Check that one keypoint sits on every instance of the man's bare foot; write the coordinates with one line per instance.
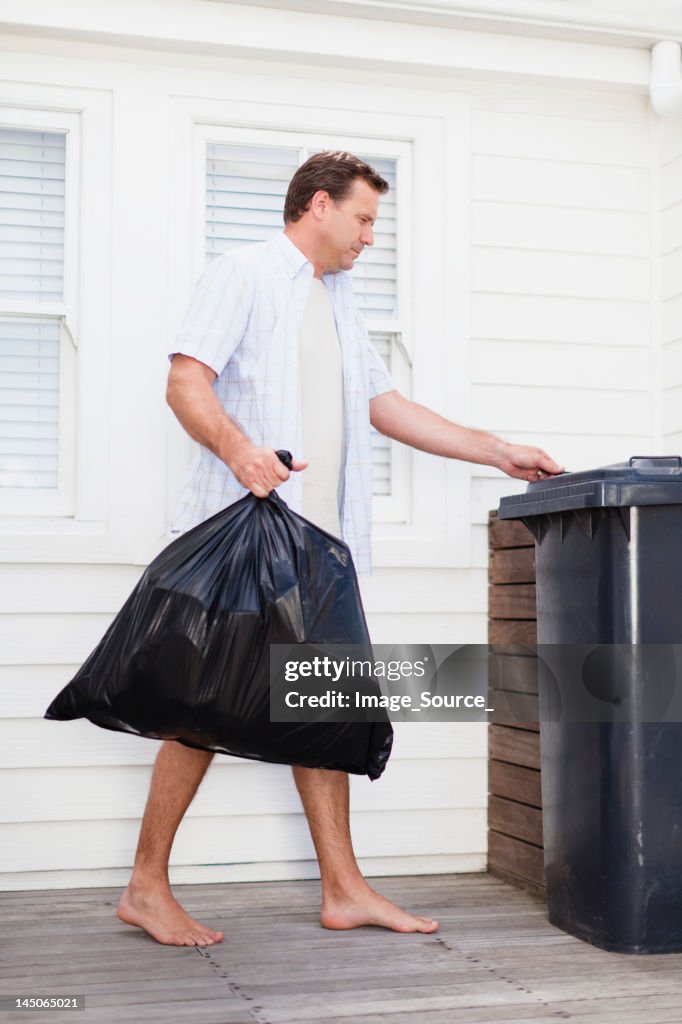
(155, 910)
(365, 906)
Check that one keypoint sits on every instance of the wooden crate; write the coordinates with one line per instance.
(515, 848)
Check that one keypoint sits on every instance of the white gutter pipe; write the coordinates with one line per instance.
(665, 84)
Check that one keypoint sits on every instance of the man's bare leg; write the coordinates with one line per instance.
(148, 901)
(347, 900)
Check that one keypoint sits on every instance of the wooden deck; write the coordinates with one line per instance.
(495, 959)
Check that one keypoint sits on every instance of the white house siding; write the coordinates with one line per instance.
(671, 283)
(547, 338)
(563, 210)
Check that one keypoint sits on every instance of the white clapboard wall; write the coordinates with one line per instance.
(671, 283)
(564, 204)
(562, 219)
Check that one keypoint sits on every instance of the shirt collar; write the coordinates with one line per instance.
(292, 256)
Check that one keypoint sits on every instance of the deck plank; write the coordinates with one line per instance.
(495, 959)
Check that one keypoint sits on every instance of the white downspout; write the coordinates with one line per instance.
(665, 84)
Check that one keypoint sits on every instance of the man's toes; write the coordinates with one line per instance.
(187, 938)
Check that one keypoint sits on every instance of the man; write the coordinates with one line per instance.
(272, 354)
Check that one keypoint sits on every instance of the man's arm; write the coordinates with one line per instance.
(396, 416)
(194, 402)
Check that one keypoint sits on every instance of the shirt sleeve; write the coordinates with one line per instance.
(217, 317)
(380, 380)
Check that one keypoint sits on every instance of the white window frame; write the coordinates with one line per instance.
(436, 531)
(78, 528)
(60, 500)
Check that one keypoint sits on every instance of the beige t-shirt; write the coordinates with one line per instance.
(321, 379)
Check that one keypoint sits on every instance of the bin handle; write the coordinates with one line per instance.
(655, 461)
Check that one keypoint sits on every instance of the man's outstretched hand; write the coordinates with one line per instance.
(260, 469)
(527, 463)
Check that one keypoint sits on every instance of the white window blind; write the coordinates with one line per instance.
(32, 220)
(29, 402)
(32, 172)
(245, 191)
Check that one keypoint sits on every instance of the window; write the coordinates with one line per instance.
(245, 186)
(37, 359)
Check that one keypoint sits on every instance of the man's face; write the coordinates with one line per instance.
(347, 227)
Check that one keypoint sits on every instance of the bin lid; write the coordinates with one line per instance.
(643, 480)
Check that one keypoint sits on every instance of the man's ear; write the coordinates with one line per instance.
(319, 204)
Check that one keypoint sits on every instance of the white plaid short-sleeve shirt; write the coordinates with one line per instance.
(244, 321)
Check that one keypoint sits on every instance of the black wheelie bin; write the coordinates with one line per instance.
(609, 608)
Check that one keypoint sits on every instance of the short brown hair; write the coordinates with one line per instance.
(333, 172)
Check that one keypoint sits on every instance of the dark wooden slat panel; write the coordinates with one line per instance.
(525, 727)
(522, 726)
(520, 860)
(512, 631)
(512, 673)
(513, 601)
(511, 708)
(515, 746)
(514, 650)
(515, 783)
(513, 565)
(513, 819)
(508, 533)
(515, 802)
(521, 883)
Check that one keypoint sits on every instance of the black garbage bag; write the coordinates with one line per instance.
(188, 656)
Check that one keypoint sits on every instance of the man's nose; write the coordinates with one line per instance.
(367, 235)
